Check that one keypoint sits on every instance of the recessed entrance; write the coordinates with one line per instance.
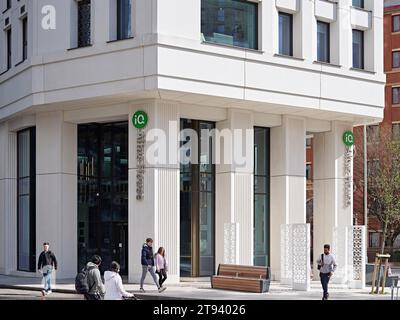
(103, 193)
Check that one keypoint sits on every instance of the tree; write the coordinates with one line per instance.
(384, 185)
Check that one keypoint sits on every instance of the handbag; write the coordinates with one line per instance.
(322, 260)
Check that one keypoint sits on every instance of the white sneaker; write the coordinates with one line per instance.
(162, 289)
(48, 292)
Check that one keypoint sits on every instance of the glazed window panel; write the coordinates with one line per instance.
(358, 3)
(396, 23)
(26, 202)
(84, 23)
(396, 95)
(285, 34)
(358, 49)
(230, 22)
(396, 59)
(323, 46)
(124, 19)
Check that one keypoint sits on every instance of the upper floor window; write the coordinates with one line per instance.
(396, 59)
(396, 23)
(9, 48)
(24, 38)
(84, 23)
(124, 21)
(231, 22)
(358, 49)
(373, 133)
(358, 3)
(323, 46)
(285, 34)
(8, 5)
(396, 95)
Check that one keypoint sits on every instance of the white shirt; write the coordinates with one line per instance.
(114, 288)
(328, 265)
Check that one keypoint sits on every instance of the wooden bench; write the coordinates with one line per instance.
(242, 278)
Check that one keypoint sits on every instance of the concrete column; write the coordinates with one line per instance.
(341, 42)
(8, 200)
(234, 186)
(56, 189)
(157, 214)
(288, 182)
(330, 209)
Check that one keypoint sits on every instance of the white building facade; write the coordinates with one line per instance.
(73, 74)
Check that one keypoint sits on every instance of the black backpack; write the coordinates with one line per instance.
(81, 281)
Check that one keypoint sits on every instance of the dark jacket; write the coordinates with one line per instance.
(47, 259)
(147, 256)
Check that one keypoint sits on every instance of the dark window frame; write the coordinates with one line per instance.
(84, 37)
(328, 25)
(266, 193)
(362, 46)
(397, 16)
(358, 4)
(24, 38)
(121, 23)
(32, 199)
(256, 31)
(398, 60)
(9, 48)
(291, 33)
(398, 95)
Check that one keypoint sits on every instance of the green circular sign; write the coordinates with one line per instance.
(140, 119)
(348, 138)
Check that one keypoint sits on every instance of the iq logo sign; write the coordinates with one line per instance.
(140, 119)
(348, 138)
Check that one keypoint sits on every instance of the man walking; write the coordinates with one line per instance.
(147, 259)
(47, 261)
(326, 266)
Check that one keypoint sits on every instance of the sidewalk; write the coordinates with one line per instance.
(203, 291)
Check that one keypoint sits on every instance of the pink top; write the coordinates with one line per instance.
(161, 263)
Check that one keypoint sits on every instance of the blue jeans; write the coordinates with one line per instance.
(325, 281)
(47, 281)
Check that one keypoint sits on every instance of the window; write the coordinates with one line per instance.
(9, 49)
(24, 38)
(285, 34)
(396, 23)
(8, 4)
(308, 171)
(231, 22)
(26, 204)
(373, 133)
(396, 59)
(261, 196)
(323, 45)
(396, 95)
(84, 23)
(358, 49)
(358, 3)
(124, 21)
(374, 240)
(396, 131)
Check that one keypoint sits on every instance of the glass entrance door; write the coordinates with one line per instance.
(103, 193)
(197, 202)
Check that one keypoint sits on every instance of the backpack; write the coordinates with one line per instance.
(81, 281)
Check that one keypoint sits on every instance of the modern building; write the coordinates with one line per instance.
(74, 74)
(391, 122)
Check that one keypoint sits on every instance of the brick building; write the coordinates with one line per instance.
(391, 121)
